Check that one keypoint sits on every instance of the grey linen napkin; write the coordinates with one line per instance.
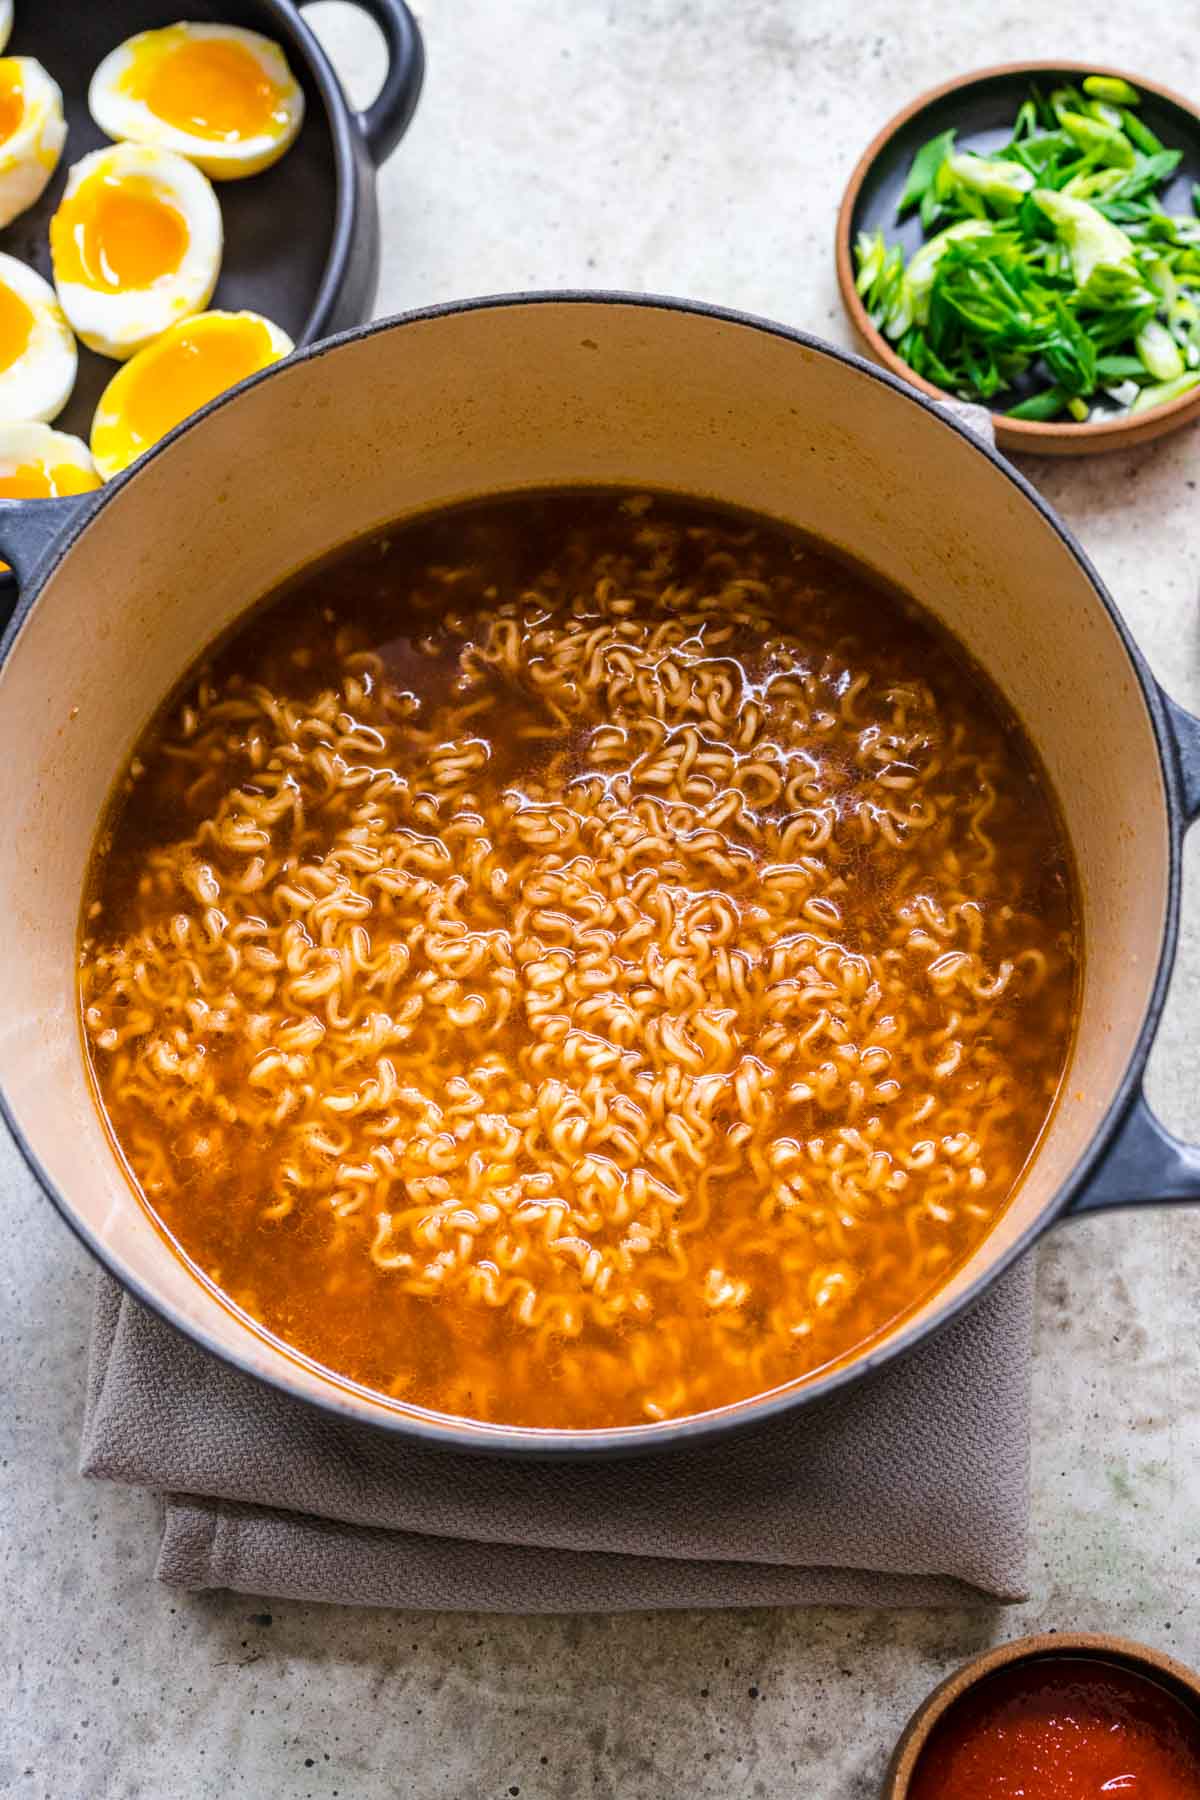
(908, 1490)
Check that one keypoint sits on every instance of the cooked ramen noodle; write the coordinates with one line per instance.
(580, 960)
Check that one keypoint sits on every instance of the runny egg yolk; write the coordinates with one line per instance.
(117, 233)
(43, 481)
(175, 379)
(211, 87)
(39, 480)
(16, 326)
(12, 97)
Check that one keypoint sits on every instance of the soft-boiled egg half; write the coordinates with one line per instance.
(175, 376)
(223, 97)
(38, 462)
(38, 358)
(6, 12)
(32, 132)
(136, 246)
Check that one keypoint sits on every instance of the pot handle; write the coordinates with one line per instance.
(30, 533)
(1184, 729)
(1145, 1163)
(387, 118)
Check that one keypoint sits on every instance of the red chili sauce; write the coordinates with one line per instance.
(1063, 1728)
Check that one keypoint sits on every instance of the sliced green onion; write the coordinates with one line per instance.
(1120, 368)
(1163, 276)
(1104, 114)
(871, 253)
(1141, 134)
(923, 266)
(1094, 184)
(1166, 390)
(900, 311)
(1107, 143)
(1046, 405)
(1124, 393)
(1005, 183)
(925, 165)
(1159, 351)
(1026, 122)
(1065, 99)
(1183, 314)
(1092, 240)
(1111, 87)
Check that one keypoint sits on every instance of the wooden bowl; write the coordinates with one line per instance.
(1176, 1676)
(982, 107)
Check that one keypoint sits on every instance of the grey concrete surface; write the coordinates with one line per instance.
(696, 147)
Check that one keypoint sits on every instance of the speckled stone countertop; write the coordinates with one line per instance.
(691, 147)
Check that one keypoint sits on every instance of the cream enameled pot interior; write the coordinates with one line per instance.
(438, 409)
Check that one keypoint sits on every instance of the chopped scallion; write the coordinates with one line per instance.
(1162, 391)
(1050, 265)
(1111, 87)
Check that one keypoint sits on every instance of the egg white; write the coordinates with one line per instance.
(120, 322)
(24, 444)
(122, 115)
(30, 156)
(6, 17)
(37, 385)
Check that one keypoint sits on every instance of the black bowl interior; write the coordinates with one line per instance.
(982, 111)
(278, 225)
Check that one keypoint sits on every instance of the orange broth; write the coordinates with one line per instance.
(580, 959)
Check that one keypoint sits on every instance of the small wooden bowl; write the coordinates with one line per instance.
(897, 1783)
(982, 108)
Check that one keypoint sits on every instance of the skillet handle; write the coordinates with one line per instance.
(1146, 1164)
(387, 118)
(30, 533)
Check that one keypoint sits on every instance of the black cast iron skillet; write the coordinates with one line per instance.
(302, 238)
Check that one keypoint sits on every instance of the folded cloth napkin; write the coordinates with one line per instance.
(909, 1489)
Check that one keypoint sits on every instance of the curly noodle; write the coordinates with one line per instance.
(628, 990)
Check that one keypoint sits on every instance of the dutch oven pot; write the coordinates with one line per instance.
(120, 590)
